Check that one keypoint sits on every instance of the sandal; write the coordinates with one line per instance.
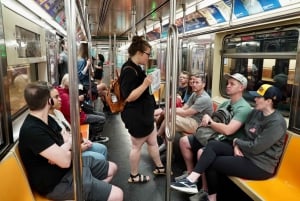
(141, 178)
(160, 171)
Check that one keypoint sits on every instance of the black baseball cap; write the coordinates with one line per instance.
(268, 92)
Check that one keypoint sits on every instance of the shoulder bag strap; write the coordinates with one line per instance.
(131, 68)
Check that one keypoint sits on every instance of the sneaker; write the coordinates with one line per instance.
(162, 148)
(185, 186)
(101, 139)
(183, 176)
(202, 195)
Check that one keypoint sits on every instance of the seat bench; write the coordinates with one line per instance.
(14, 184)
(285, 185)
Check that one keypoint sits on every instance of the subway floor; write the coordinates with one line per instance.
(154, 190)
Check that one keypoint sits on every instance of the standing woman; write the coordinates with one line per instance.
(138, 114)
(98, 74)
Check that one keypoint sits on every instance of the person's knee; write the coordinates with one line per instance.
(102, 89)
(184, 142)
(116, 194)
(113, 167)
(101, 148)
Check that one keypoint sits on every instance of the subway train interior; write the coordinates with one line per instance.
(256, 38)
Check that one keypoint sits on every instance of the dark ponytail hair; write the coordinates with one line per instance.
(101, 57)
(138, 44)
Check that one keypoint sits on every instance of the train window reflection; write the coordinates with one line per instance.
(266, 57)
(261, 71)
(29, 44)
(18, 77)
(280, 41)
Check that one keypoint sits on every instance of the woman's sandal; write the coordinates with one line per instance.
(141, 178)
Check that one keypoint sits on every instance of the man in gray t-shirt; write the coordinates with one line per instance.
(189, 116)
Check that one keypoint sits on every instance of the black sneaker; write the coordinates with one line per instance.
(184, 185)
(101, 139)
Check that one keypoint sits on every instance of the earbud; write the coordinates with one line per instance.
(51, 101)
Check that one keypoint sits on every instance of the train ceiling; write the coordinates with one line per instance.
(108, 17)
(115, 16)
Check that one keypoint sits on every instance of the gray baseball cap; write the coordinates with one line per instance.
(239, 77)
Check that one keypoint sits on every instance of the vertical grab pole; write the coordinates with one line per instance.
(171, 85)
(171, 80)
(170, 117)
(74, 104)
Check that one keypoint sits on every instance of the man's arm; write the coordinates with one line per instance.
(189, 109)
(228, 129)
(186, 111)
(61, 156)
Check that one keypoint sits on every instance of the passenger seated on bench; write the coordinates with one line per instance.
(189, 145)
(102, 91)
(183, 84)
(189, 116)
(189, 89)
(255, 155)
(88, 148)
(47, 158)
(96, 120)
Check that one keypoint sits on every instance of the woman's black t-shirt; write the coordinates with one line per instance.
(138, 115)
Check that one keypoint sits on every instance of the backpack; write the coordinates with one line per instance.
(113, 98)
(222, 115)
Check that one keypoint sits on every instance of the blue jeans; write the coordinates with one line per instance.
(98, 151)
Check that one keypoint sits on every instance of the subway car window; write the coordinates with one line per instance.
(269, 57)
(18, 77)
(29, 44)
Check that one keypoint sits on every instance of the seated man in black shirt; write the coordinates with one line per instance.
(47, 158)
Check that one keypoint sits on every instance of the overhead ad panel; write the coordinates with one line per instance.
(56, 9)
(220, 12)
